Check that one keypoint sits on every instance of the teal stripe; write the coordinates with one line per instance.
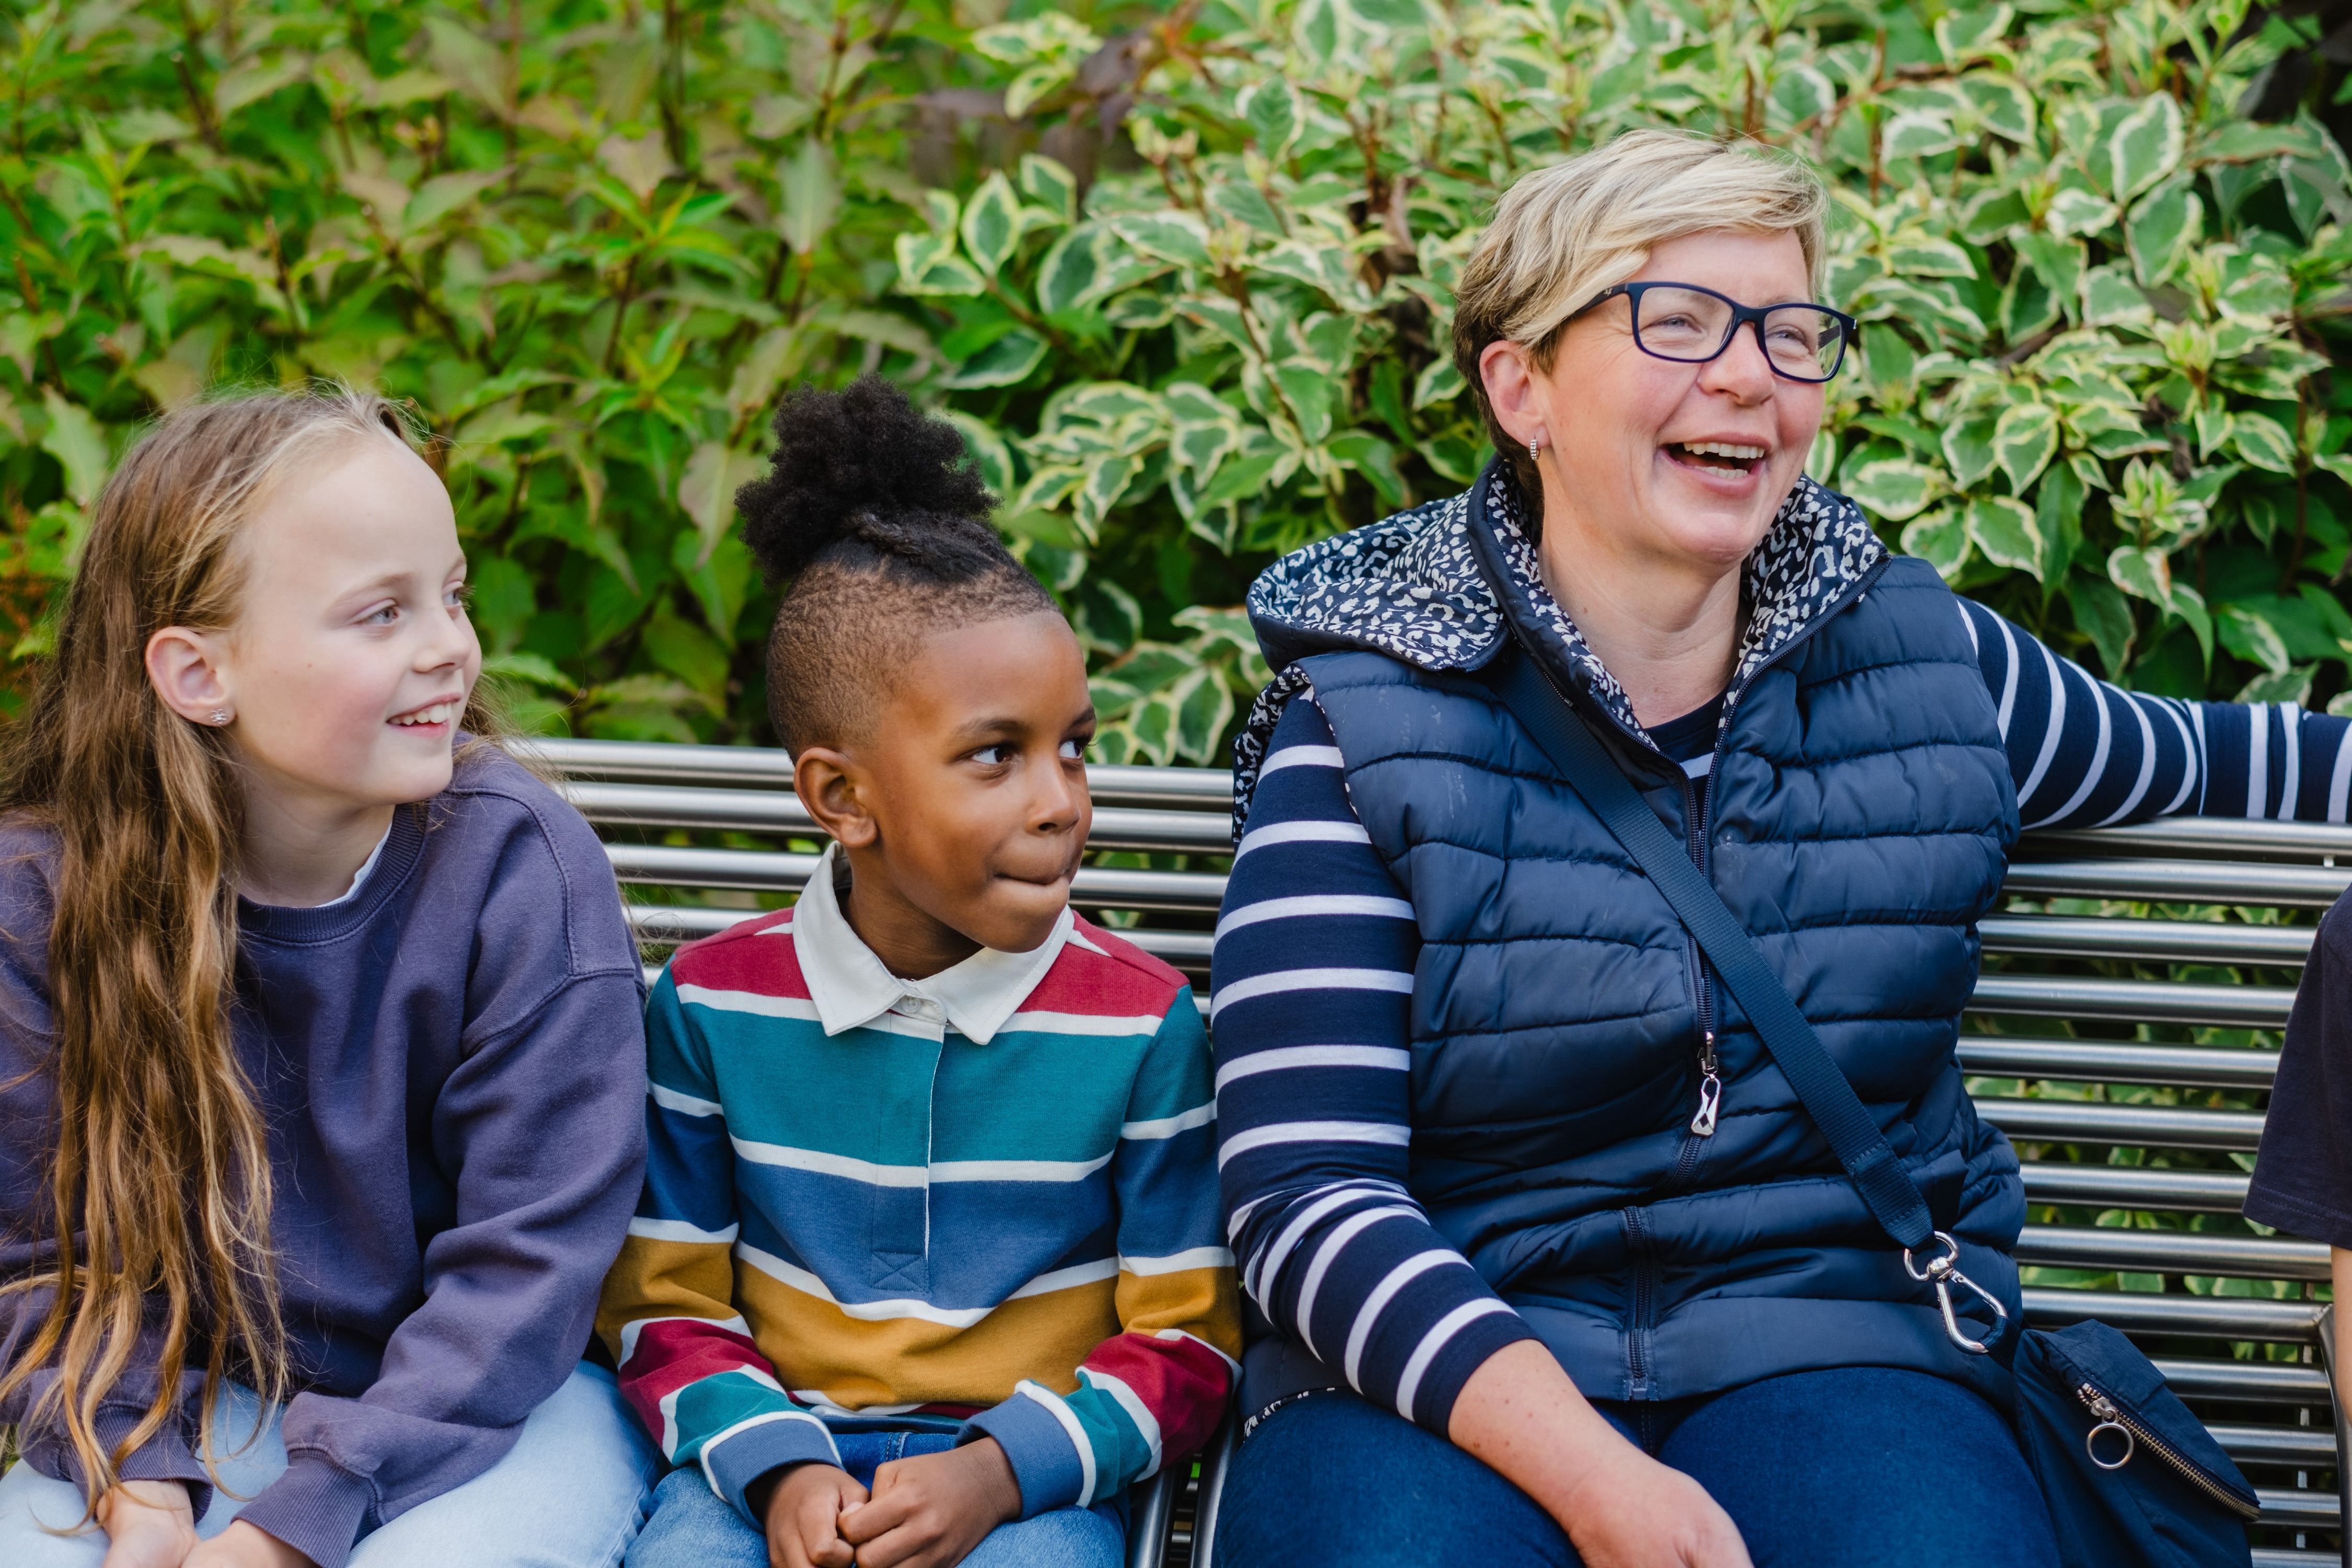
(1120, 1452)
(708, 1406)
(1175, 1073)
(674, 1058)
(867, 1094)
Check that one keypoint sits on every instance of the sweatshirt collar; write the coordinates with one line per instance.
(852, 988)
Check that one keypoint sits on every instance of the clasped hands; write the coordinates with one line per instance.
(927, 1512)
(153, 1524)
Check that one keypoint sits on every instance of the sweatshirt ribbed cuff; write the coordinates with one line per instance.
(313, 1507)
(736, 1458)
(165, 1457)
(1045, 1458)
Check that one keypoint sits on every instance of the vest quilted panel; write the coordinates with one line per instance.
(1861, 818)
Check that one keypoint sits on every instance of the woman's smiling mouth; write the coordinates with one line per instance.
(1724, 457)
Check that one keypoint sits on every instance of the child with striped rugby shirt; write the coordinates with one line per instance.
(930, 1262)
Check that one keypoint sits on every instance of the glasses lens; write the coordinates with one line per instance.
(1805, 341)
(1681, 323)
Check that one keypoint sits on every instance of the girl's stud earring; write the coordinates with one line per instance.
(220, 715)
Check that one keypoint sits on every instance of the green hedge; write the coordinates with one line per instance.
(1181, 276)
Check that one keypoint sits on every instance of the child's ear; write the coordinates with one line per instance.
(184, 666)
(833, 788)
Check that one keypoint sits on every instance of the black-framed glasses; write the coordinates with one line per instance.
(1690, 325)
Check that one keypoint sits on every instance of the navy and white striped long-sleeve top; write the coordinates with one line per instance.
(1313, 977)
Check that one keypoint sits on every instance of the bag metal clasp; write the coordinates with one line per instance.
(1944, 1273)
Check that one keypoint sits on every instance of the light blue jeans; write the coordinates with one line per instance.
(571, 1493)
(691, 1528)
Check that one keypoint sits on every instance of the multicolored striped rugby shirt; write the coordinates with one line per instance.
(989, 1194)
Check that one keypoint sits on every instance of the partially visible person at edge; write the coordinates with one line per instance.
(927, 1268)
(320, 1064)
(1550, 1264)
(2302, 1178)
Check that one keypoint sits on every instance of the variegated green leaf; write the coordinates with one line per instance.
(1940, 539)
(992, 224)
(1968, 449)
(2006, 532)
(2025, 438)
(1893, 487)
(2262, 441)
(2144, 146)
(1176, 237)
(928, 264)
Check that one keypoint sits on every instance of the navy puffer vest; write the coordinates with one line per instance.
(1861, 817)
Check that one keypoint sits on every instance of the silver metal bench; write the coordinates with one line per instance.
(665, 810)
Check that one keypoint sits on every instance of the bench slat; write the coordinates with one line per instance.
(2172, 1252)
(2105, 1061)
(2200, 1317)
(2157, 1126)
(2133, 1187)
(2310, 1446)
(2180, 882)
(2248, 1382)
(2159, 941)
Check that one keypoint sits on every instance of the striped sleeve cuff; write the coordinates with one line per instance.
(1457, 1345)
(1044, 1444)
(741, 1455)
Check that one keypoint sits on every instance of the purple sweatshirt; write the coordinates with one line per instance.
(451, 1064)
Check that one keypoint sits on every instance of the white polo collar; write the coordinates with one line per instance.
(851, 987)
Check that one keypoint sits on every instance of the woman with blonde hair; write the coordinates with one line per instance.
(320, 1068)
(1557, 1266)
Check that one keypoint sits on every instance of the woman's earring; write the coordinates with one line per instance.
(220, 715)
(1535, 446)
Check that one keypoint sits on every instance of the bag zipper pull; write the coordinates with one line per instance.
(1710, 1090)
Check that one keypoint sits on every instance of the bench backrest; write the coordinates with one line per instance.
(2124, 1034)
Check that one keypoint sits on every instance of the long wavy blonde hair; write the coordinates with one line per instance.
(159, 1184)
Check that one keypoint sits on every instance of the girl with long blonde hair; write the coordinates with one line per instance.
(321, 1081)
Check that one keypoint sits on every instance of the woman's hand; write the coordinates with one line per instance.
(1622, 1509)
(243, 1545)
(930, 1510)
(1631, 1512)
(148, 1524)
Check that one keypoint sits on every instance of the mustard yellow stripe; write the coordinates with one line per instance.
(905, 1360)
(1202, 1303)
(654, 1278)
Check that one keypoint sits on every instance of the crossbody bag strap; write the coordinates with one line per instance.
(1851, 1132)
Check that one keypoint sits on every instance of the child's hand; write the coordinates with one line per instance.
(803, 1517)
(148, 1524)
(243, 1545)
(930, 1510)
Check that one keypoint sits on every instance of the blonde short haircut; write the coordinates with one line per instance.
(1563, 234)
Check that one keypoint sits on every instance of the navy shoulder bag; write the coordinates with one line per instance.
(2131, 1477)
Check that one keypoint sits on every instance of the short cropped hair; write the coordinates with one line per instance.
(1561, 235)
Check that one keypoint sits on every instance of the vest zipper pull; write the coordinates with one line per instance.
(1710, 1090)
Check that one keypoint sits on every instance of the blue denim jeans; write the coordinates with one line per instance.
(691, 1528)
(570, 1494)
(1851, 1468)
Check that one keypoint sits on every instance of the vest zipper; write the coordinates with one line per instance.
(1710, 1085)
(1695, 813)
(1645, 1303)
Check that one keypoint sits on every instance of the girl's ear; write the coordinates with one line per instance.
(184, 667)
(830, 785)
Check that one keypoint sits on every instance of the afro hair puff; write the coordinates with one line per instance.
(865, 467)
